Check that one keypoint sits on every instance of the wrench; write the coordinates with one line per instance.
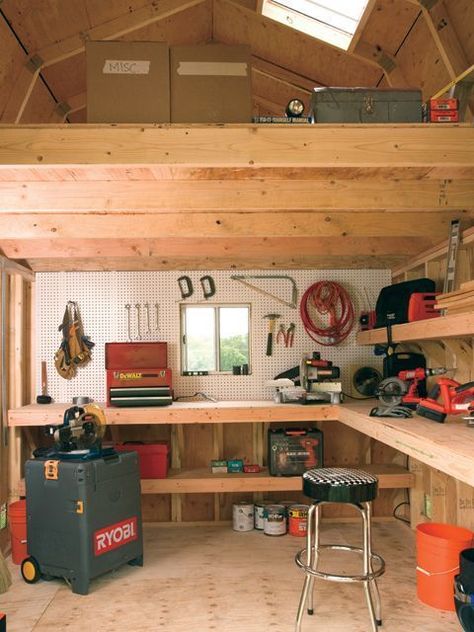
(157, 317)
(139, 325)
(148, 325)
(128, 308)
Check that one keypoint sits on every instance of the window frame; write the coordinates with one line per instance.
(216, 307)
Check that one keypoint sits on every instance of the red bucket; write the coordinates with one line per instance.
(17, 517)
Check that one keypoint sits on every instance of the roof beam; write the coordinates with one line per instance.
(182, 196)
(383, 60)
(71, 46)
(444, 35)
(362, 24)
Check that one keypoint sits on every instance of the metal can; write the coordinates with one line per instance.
(259, 513)
(274, 520)
(298, 520)
(242, 516)
(286, 504)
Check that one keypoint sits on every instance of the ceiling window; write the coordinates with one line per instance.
(333, 21)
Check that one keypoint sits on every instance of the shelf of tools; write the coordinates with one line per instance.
(445, 341)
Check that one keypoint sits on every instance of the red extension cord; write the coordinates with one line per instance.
(327, 297)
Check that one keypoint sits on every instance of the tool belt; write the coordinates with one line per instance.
(75, 348)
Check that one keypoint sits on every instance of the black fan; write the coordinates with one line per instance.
(366, 380)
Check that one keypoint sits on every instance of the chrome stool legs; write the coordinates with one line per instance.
(307, 559)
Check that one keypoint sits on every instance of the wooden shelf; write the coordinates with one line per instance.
(182, 413)
(455, 326)
(203, 481)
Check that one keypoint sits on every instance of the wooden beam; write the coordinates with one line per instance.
(225, 224)
(264, 248)
(176, 196)
(71, 46)
(251, 261)
(282, 74)
(362, 24)
(445, 37)
(275, 109)
(340, 146)
(383, 60)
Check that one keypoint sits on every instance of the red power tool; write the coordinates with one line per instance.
(404, 389)
(448, 397)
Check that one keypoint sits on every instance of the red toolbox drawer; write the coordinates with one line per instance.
(153, 458)
(135, 355)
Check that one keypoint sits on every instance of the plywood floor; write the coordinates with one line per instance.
(199, 579)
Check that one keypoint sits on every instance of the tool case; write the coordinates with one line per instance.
(83, 517)
(365, 105)
(293, 451)
(135, 355)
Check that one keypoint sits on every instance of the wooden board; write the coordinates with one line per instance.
(231, 146)
(457, 325)
(198, 480)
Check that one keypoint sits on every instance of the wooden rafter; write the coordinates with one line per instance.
(383, 60)
(71, 46)
(362, 24)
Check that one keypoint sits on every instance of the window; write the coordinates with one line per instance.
(333, 21)
(214, 338)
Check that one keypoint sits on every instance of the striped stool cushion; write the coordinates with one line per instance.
(339, 485)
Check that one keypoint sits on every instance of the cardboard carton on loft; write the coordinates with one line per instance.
(128, 82)
(210, 84)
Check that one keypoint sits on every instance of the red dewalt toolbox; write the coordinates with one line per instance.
(139, 387)
(136, 355)
(153, 458)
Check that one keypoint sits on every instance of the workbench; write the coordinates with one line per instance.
(447, 447)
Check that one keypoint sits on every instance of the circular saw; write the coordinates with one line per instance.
(391, 391)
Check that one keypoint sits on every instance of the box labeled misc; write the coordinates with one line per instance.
(210, 84)
(235, 465)
(153, 458)
(128, 82)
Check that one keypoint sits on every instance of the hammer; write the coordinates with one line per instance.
(271, 328)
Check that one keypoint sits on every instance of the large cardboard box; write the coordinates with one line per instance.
(210, 84)
(128, 82)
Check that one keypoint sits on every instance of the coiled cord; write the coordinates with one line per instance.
(327, 298)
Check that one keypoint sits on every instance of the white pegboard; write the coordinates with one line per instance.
(102, 297)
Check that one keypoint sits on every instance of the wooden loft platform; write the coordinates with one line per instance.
(346, 196)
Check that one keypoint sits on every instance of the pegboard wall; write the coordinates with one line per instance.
(102, 297)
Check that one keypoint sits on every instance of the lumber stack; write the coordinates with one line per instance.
(457, 302)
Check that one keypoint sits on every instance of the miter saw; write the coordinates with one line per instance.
(80, 435)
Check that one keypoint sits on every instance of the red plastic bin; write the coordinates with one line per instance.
(153, 458)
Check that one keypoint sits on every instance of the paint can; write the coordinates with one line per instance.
(287, 504)
(242, 516)
(274, 520)
(298, 520)
(259, 513)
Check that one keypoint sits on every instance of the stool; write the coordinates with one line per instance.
(340, 485)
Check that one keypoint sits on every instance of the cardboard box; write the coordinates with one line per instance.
(128, 82)
(210, 84)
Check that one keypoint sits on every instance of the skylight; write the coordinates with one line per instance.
(333, 21)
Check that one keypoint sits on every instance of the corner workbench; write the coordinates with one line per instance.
(447, 447)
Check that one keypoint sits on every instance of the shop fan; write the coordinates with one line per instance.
(366, 381)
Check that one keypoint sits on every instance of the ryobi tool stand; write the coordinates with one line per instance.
(83, 505)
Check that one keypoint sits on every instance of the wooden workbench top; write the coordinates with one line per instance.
(447, 447)
(182, 413)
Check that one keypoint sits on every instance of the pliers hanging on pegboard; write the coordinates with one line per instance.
(286, 336)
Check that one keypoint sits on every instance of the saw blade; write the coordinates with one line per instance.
(392, 390)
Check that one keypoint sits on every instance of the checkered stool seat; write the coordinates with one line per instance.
(339, 485)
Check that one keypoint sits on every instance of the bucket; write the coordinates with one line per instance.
(17, 517)
(438, 547)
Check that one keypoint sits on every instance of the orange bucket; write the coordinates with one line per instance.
(17, 517)
(438, 547)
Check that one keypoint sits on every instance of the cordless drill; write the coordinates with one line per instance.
(448, 397)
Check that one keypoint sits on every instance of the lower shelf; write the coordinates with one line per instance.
(199, 481)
